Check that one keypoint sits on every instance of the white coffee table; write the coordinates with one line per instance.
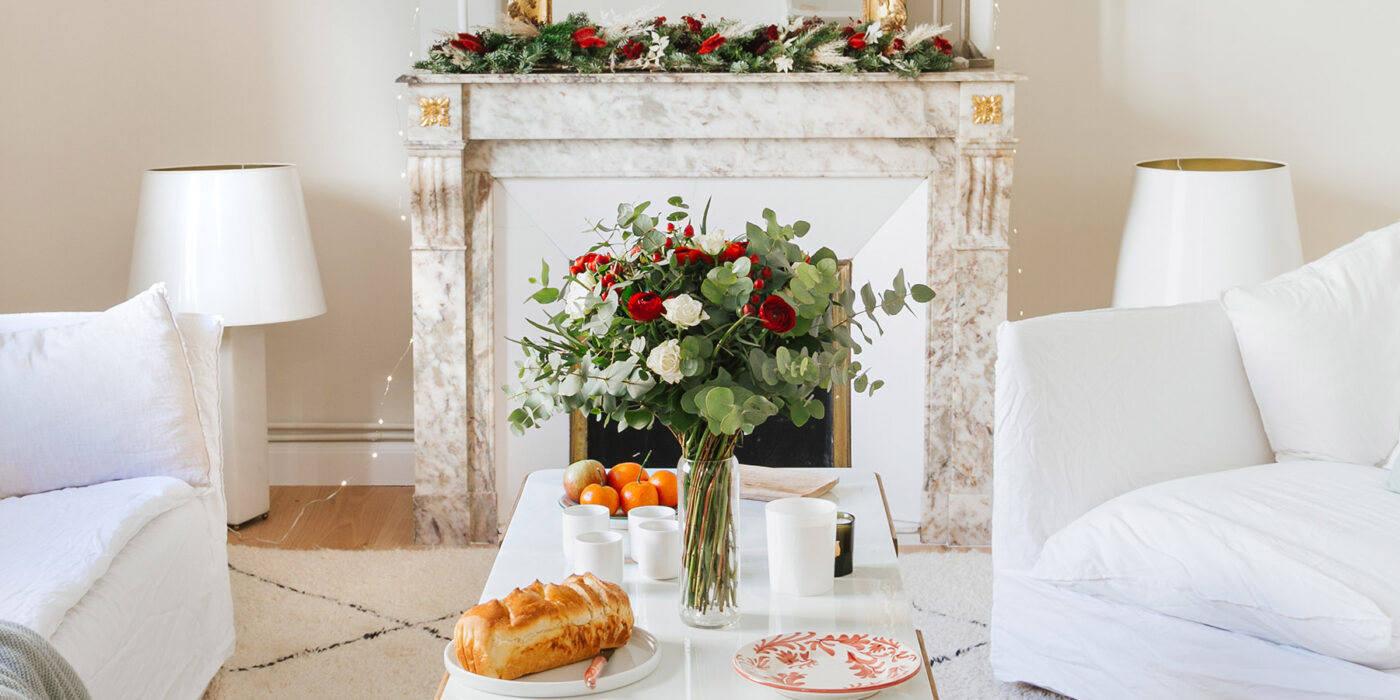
(698, 663)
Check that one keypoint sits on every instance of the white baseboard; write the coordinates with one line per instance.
(329, 463)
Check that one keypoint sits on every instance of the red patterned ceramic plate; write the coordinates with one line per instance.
(815, 665)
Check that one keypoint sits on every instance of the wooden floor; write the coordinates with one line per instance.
(359, 517)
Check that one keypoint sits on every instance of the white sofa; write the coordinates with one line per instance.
(128, 579)
(1095, 405)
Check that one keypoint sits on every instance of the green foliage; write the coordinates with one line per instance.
(803, 44)
(714, 363)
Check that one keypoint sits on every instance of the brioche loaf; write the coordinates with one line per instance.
(543, 626)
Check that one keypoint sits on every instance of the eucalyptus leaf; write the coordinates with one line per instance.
(921, 293)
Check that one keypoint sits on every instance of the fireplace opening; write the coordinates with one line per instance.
(824, 442)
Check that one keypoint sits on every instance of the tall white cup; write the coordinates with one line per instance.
(656, 545)
(599, 553)
(801, 545)
(639, 515)
(581, 519)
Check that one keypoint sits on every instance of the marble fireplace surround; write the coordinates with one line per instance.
(954, 129)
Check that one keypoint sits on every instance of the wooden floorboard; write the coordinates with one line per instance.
(359, 517)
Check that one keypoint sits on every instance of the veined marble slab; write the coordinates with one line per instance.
(955, 129)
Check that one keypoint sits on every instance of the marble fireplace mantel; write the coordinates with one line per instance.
(955, 129)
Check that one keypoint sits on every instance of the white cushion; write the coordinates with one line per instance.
(1300, 553)
(1321, 346)
(54, 546)
(109, 398)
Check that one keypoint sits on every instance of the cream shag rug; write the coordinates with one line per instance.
(372, 624)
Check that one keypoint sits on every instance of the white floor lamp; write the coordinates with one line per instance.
(232, 240)
(1197, 226)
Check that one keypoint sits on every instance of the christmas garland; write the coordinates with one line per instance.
(580, 45)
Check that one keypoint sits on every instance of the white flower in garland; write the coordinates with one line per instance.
(684, 311)
(657, 50)
(638, 345)
(712, 242)
(873, 32)
(783, 64)
(665, 361)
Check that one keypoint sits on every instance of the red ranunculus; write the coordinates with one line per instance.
(469, 42)
(776, 315)
(631, 49)
(715, 41)
(645, 306)
(689, 256)
(693, 23)
(857, 41)
(771, 32)
(585, 39)
(734, 251)
(942, 45)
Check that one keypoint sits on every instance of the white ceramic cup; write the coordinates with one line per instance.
(599, 553)
(656, 545)
(637, 516)
(801, 545)
(581, 519)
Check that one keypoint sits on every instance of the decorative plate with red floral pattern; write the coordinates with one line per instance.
(812, 665)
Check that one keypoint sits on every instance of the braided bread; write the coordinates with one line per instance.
(543, 626)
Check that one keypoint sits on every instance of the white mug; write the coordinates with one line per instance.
(581, 519)
(637, 516)
(801, 545)
(599, 553)
(656, 545)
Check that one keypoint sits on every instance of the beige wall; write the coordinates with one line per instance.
(97, 91)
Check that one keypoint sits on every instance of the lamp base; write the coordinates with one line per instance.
(243, 402)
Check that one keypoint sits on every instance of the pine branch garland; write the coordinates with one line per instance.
(577, 44)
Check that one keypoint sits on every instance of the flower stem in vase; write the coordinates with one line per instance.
(710, 515)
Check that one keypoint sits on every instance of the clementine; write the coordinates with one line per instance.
(666, 487)
(599, 494)
(638, 494)
(624, 473)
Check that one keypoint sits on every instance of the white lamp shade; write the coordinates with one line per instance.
(230, 240)
(1197, 226)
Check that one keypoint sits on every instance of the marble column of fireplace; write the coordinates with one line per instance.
(955, 129)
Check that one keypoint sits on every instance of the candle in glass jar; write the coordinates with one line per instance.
(845, 543)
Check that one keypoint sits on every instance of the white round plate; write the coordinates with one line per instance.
(810, 665)
(616, 522)
(628, 665)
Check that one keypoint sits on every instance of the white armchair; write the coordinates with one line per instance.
(1091, 406)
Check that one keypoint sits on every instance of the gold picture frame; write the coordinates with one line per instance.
(892, 13)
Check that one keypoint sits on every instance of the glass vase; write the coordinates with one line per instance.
(709, 516)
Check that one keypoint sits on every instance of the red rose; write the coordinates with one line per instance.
(645, 306)
(771, 32)
(469, 42)
(734, 251)
(693, 23)
(658, 22)
(585, 39)
(689, 231)
(942, 45)
(715, 41)
(897, 45)
(632, 49)
(857, 41)
(776, 315)
(848, 30)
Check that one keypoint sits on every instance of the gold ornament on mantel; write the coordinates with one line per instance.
(433, 111)
(986, 109)
(891, 13)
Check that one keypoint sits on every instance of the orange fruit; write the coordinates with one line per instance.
(638, 494)
(599, 494)
(624, 473)
(666, 488)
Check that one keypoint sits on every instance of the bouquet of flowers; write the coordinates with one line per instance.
(709, 335)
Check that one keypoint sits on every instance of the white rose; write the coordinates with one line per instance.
(684, 311)
(713, 242)
(665, 361)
